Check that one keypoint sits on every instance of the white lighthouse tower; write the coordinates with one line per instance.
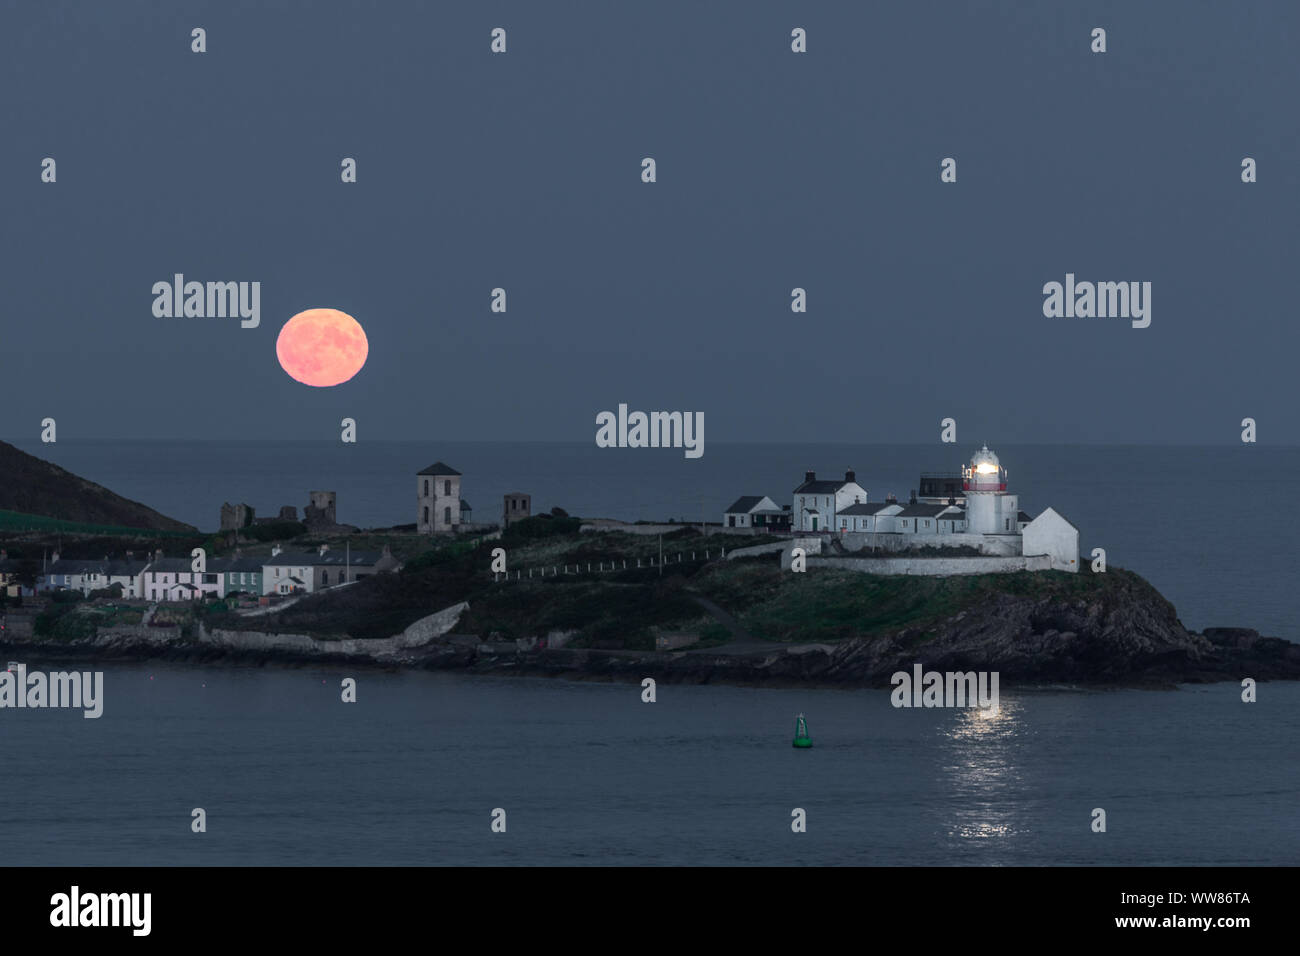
(989, 509)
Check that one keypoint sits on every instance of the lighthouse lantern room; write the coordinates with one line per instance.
(989, 509)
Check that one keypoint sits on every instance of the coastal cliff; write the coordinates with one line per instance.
(1123, 634)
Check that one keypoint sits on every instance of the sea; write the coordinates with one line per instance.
(416, 769)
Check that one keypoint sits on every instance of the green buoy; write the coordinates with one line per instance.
(801, 738)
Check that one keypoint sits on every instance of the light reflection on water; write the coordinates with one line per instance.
(979, 769)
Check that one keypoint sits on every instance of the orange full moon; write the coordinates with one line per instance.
(322, 347)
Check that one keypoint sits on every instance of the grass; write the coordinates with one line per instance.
(17, 521)
(623, 609)
(831, 605)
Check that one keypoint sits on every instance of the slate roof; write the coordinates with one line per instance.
(1025, 516)
(438, 468)
(744, 504)
(245, 564)
(921, 511)
(170, 564)
(341, 558)
(820, 487)
(867, 508)
(289, 559)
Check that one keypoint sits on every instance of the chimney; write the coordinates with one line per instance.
(4, 554)
(323, 549)
(952, 500)
(850, 475)
(130, 555)
(891, 499)
(275, 549)
(157, 555)
(912, 500)
(387, 552)
(810, 476)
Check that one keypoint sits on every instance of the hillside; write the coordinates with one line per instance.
(32, 486)
(754, 623)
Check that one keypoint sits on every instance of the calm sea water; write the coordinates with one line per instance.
(1212, 528)
(588, 774)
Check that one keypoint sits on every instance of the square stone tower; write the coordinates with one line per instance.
(437, 493)
(518, 506)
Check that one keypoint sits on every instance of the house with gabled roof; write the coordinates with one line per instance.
(817, 502)
(757, 512)
(438, 501)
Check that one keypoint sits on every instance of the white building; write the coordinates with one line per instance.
(749, 511)
(871, 517)
(286, 573)
(174, 579)
(1053, 535)
(817, 504)
(989, 509)
(991, 520)
(438, 504)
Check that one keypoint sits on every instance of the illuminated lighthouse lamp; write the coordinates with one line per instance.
(984, 473)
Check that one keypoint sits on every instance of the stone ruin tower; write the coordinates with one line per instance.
(234, 517)
(319, 512)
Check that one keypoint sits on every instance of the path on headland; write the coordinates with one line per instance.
(742, 642)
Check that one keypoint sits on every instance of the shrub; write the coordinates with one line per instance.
(275, 531)
(539, 527)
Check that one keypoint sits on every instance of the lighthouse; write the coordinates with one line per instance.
(988, 505)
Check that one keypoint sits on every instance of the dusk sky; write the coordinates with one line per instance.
(775, 170)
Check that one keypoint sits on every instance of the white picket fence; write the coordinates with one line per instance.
(609, 566)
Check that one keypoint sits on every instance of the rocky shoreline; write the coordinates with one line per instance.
(1137, 642)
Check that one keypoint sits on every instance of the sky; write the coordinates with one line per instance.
(775, 170)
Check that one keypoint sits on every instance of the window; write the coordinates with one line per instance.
(426, 514)
(446, 487)
(426, 487)
(927, 522)
(324, 577)
(446, 515)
